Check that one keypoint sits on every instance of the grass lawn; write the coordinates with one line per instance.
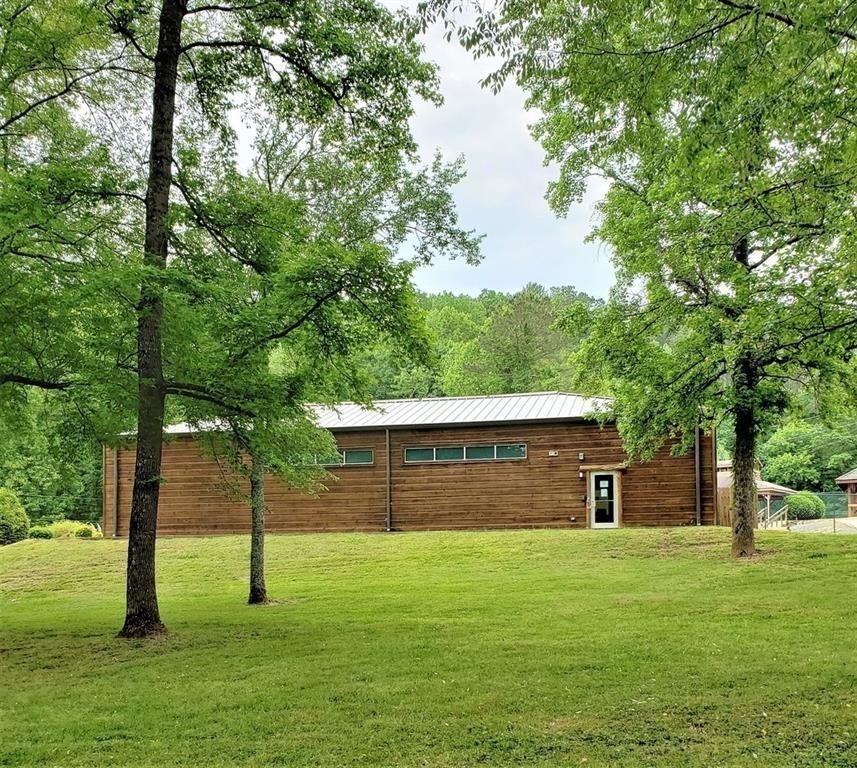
(546, 648)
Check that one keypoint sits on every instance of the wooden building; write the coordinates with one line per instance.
(506, 461)
(848, 483)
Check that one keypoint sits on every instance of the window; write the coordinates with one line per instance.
(449, 454)
(518, 451)
(479, 452)
(348, 457)
(358, 456)
(487, 452)
(419, 454)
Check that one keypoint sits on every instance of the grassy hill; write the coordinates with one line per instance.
(545, 648)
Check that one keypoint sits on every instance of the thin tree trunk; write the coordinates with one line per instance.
(743, 463)
(258, 591)
(744, 380)
(142, 617)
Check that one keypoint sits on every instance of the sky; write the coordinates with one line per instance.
(503, 196)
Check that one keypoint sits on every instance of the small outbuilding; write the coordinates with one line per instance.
(848, 483)
(767, 492)
(504, 461)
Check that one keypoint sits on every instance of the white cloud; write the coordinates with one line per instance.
(503, 194)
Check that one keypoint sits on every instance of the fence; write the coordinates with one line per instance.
(834, 520)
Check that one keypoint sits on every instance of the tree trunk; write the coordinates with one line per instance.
(142, 618)
(743, 464)
(258, 592)
(745, 377)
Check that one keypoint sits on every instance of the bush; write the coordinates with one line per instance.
(40, 532)
(804, 505)
(14, 523)
(68, 529)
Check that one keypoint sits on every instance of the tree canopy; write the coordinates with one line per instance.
(149, 269)
(726, 132)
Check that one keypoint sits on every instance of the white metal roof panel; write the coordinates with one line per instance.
(442, 411)
(450, 411)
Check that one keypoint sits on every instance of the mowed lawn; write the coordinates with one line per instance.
(546, 648)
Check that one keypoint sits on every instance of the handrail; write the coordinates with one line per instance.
(780, 515)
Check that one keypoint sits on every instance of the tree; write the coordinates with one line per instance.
(292, 445)
(50, 457)
(808, 455)
(63, 287)
(493, 343)
(308, 302)
(155, 265)
(724, 129)
(519, 349)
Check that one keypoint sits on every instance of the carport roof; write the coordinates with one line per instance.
(848, 477)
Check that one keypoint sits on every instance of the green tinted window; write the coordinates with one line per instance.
(359, 456)
(466, 453)
(480, 452)
(419, 454)
(330, 461)
(518, 451)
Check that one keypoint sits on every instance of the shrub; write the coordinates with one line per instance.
(40, 532)
(804, 505)
(68, 529)
(14, 523)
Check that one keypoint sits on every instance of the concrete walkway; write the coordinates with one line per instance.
(826, 525)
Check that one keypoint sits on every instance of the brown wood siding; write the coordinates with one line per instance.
(108, 498)
(195, 497)
(542, 490)
(539, 491)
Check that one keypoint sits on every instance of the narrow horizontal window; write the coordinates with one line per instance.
(479, 452)
(453, 453)
(516, 451)
(358, 456)
(419, 454)
(347, 457)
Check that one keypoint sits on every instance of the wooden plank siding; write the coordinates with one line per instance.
(543, 490)
(539, 491)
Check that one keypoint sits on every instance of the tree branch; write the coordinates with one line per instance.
(784, 19)
(31, 381)
(198, 392)
(202, 219)
(293, 326)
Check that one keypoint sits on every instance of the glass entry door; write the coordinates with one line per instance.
(603, 500)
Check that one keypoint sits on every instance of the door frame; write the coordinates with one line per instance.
(617, 498)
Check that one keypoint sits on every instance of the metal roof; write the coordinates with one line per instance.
(457, 411)
(440, 412)
(848, 477)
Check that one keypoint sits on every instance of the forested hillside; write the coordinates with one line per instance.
(493, 343)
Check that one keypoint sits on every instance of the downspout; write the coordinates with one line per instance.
(389, 488)
(115, 493)
(697, 469)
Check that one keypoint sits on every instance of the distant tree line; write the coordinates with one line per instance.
(493, 343)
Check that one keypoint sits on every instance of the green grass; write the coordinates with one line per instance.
(545, 648)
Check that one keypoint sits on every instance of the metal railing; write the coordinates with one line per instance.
(776, 518)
